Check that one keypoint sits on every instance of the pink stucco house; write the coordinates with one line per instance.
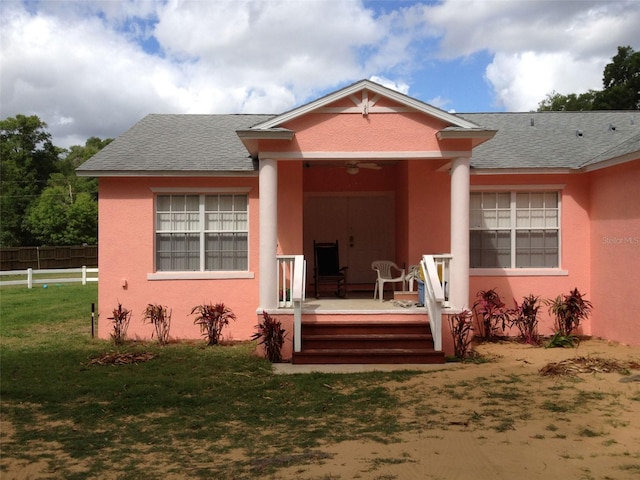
(225, 208)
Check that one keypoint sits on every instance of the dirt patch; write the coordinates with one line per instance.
(504, 420)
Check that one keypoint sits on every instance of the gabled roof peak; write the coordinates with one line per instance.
(376, 89)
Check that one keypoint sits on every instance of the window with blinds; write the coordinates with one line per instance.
(514, 230)
(202, 232)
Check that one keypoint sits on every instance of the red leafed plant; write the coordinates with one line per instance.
(121, 317)
(461, 326)
(569, 311)
(491, 314)
(160, 317)
(524, 316)
(212, 319)
(272, 335)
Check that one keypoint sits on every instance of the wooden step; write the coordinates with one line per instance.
(350, 342)
(336, 327)
(368, 341)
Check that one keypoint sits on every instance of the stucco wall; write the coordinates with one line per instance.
(355, 132)
(126, 254)
(428, 209)
(575, 248)
(615, 252)
(290, 206)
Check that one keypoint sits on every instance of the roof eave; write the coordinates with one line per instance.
(167, 173)
(610, 162)
(523, 171)
(251, 137)
(477, 135)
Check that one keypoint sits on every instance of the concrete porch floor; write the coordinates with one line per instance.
(361, 301)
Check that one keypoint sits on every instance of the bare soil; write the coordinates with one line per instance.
(506, 420)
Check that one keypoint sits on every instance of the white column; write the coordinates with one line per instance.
(268, 233)
(459, 268)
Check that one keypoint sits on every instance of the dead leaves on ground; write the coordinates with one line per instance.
(574, 366)
(116, 358)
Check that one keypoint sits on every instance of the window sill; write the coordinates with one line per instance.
(219, 275)
(518, 272)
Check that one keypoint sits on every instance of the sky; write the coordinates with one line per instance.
(95, 67)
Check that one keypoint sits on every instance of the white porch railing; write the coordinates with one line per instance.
(61, 275)
(435, 271)
(292, 281)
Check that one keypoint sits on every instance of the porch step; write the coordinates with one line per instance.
(368, 341)
(393, 342)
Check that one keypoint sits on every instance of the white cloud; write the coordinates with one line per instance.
(538, 46)
(398, 86)
(83, 60)
(440, 102)
(521, 81)
(79, 71)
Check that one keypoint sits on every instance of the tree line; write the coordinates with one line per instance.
(42, 200)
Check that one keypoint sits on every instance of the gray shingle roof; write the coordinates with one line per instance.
(166, 144)
(553, 139)
(632, 145)
(209, 144)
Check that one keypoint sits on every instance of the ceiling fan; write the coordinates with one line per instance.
(354, 168)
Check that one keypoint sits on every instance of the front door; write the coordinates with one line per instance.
(363, 225)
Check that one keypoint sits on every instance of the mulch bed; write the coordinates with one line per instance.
(574, 366)
(115, 358)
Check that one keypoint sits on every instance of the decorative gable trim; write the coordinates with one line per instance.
(365, 104)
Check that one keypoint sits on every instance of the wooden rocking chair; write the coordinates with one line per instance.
(327, 268)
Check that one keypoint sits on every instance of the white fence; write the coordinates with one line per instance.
(59, 275)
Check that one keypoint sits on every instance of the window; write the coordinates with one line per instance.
(514, 230)
(202, 232)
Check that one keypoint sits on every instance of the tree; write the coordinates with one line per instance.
(27, 158)
(58, 217)
(75, 156)
(621, 82)
(66, 213)
(42, 199)
(555, 102)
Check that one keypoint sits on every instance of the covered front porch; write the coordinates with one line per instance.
(383, 329)
(402, 328)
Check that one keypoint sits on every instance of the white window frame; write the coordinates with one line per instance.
(199, 274)
(522, 271)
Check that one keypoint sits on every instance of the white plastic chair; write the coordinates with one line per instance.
(412, 276)
(386, 270)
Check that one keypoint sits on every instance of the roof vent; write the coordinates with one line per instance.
(579, 133)
(533, 123)
(633, 121)
(612, 127)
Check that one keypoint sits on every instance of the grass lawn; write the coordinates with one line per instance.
(191, 411)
